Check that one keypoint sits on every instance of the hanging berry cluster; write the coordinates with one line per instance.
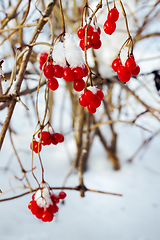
(46, 139)
(129, 69)
(110, 24)
(93, 37)
(91, 98)
(44, 204)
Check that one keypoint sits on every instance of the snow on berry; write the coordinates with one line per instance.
(43, 198)
(91, 98)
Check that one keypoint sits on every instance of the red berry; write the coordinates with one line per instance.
(79, 85)
(40, 211)
(68, 74)
(47, 217)
(98, 30)
(122, 71)
(45, 139)
(62, 195)
(90, 30)
(82, 101)
(54, 198)
(80, 33)
(51, 209)
(100, 94)
(95, 37)
(42, 57)
(91, 109)
(53, 140)
(34, 208)
(113, 15)
(58, 71)
(78, 73)
(109, 27)
(130, 64)
(97, 45)
(116, 63)
(136, 71)
(88, 95)
(30, 205)
(35, 146)
(96, 102)
(49, 71)
(85, 70)
(59, 137)
(53, 84)
(82, 43)
(33, 196)
(125, 78)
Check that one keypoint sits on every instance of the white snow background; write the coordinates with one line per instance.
(134, 216)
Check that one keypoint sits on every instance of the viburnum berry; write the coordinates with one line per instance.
(125, 78)
(97, 45)
(91, 109)
(82, 101)
(42, 57)
(90, 30)
(136, 71)
(100, 94)
(98, 30)
(53, 84)
(62, 195)
(68, 74)
(130, 64)
(116, 63)
(82, 43)
(59, 137)
(45, 138)
(113, 15)
(95, 37)
(88, 95)
(58, 71)
(79, 85)
(49, 71)
(80, 33)
(96, 102)
(78, 72)
(36, 146)
(109, 27)
(122, 71)
(85, 70)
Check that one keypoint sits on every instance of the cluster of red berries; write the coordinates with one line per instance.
(69, 74)
(44, 204)
(91, 98)
(46, 139)
(110, 24)
(93, 37)
(125, 72)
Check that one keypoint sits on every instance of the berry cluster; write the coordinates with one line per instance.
(44, 204)
(125, 72)
(69, 74)
(46, 139)
(110, 24)
(91, 98)
(93, 37)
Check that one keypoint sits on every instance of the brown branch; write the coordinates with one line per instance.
(21, 74)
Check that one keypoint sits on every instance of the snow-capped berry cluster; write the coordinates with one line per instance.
(125, 72)
(67, 63)
(91, 98)
(110, 24)
(46, 139)
(44, 204)
(93, 37)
